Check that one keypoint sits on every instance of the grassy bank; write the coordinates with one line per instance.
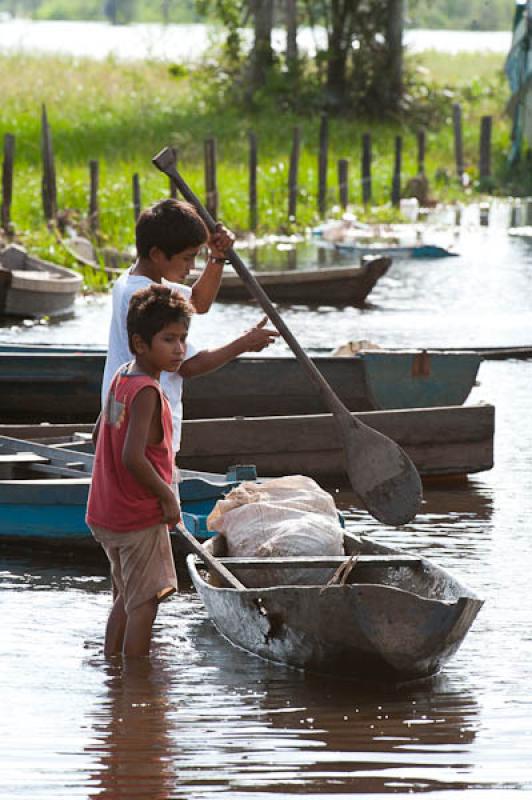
(122, 114)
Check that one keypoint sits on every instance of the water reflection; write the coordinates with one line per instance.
(131, 742)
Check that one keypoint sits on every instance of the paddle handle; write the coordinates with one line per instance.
(164, 161)
(215, 566)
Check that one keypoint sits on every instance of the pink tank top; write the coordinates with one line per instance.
(117, 501)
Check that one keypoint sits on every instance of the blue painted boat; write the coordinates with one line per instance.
(421, 251)
(40, 382)
(44, 490)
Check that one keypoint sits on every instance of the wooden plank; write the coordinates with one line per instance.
(57, 457)
(289, 562)
(22, 458)
(58, 470)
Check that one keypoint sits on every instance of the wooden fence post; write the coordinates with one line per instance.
(171, 185)
(7, 179)
(485, 150)
(137, 205)
(322, 165)
(343, 182)
(94, 176)
(458, 141)
(211, 189)
(253, 162)
(293, 173)
(421, 143)
(49, 185)
(366, 168)
(396, 179)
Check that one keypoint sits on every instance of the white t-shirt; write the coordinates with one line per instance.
(118, 351)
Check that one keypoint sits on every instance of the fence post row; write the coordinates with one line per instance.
(7, 179)
(322, 165)
(253, 165)
(49, 186)
(211, 189)
(137, 205)
(293, 174)
(366, 168)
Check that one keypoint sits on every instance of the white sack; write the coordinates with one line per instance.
(287, 516)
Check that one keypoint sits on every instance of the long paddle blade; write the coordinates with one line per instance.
(381, 474)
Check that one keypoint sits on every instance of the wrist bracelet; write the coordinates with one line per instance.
(217, 260)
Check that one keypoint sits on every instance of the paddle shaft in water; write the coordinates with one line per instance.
(381, 474)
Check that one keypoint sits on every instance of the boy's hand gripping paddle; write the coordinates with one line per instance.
(381, 474)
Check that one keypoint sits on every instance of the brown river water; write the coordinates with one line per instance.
(202, 719)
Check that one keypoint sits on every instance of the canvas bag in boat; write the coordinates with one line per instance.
(287, 516)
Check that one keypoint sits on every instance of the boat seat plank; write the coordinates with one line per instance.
(321, 561)
(22, 458)
(62, 471)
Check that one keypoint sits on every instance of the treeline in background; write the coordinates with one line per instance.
(452, 14)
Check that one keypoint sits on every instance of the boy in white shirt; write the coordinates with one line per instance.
(169, 236)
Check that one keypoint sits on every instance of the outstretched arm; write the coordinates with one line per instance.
(145, 428)
(253, 341)
(205, 289)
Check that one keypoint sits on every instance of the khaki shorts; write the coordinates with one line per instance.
(142, 563)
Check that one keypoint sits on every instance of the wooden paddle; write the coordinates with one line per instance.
(215, 566)
(381, 474)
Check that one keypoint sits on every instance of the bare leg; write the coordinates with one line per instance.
(116, 626)
(139, 628)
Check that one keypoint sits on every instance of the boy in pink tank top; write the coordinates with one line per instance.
(131, 501)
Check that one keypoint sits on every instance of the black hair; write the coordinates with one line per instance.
(172, 226)
(152, 309)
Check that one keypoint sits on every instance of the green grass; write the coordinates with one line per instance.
(122, 114)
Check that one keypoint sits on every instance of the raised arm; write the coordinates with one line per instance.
(253, 341)
(206, 287)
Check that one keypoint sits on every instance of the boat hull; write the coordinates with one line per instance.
(65, 384)
(338, 286)
(453, 441)
(390, 623)
(34, 288)
(450, 441)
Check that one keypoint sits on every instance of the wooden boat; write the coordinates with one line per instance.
(327, 286)
(397, 618)
(44, 491)
(421, 251)
(521, 232)
(66, 383)
(396, 241)
(31, 287)
(454, 441)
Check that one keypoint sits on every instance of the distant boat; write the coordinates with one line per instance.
(396, 250)
(349, 236)
(393, 616)
(66, 383)
(324, 286)
(33, 288)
